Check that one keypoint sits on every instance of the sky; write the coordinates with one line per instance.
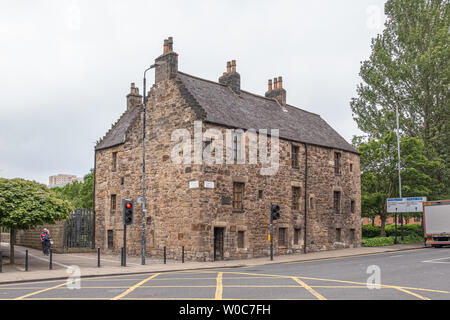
(66, 65)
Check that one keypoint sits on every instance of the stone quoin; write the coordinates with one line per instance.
(221, 211)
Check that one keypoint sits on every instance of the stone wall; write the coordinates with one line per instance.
(179, 216)
(31, 238)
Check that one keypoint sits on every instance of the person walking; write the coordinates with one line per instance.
(46, 243)
(42, 238)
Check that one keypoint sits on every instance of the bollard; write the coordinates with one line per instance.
(1, 262)
(26, 260)
(121, 256)
(98, 257)
(51, 259)
(164, 254)
(182, 254)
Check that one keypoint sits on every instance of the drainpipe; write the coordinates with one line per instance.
(306, 195)
(93, 199)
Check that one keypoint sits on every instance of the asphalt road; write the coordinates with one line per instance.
(420, 274)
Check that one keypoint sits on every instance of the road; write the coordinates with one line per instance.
(420, 274)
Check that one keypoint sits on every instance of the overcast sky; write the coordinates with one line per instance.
(66, 65)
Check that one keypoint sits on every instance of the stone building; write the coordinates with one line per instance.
(221, 210)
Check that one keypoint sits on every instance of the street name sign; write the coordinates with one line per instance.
(412, 204)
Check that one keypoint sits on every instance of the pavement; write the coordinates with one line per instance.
(86, 263)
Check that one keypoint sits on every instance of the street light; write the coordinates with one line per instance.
(143, 161)
(399, 175)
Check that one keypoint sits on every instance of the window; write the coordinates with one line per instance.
(337, 163)
(338, 235)
(311, 203)
(114, 161)
(110, 239)
(352, 236)
(351, 167)
(337, 202)
(240, 241)
(282, 237)
(294, 157)
(260, 194)
(296, 193)
(352, 206)
(122, 180)
(297, 232)
(238, 195)
(237, 137)
(113, 203)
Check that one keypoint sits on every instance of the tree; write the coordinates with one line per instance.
(24, 204)
(409, 68)
(79, 194)
(379, 173)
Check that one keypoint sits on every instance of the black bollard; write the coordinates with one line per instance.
(121, 257)
(164, 254)
(26, 260)
(98, 257)
(51, 259)
(182, 254)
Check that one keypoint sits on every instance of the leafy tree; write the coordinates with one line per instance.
(409, 68)
(24, 204)
(79, 194)
(379, 173)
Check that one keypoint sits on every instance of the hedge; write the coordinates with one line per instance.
(414, 230)
(387, 241)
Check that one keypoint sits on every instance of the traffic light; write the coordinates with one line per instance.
(127, 211)
(274, 211)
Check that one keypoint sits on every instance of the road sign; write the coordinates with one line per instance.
(412, 204)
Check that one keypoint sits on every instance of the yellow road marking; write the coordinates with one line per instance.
(131, 289)
(219, 286)
(307, 287)
(40, 291)
(413, 294)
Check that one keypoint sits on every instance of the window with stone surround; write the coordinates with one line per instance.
(237, 151)
(113, 204)
(260, 194)
(352, 206)
(295, 156)
(338, 235)
(337, 202)
(351, 167)
(296, 194)
(282, 237)
(238, 196)
(337, 163)
(240, 242)
(114, 162)
(110, 239)
(297, 235)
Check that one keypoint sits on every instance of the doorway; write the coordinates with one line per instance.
(218, 243)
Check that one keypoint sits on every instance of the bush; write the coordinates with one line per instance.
(388, 241)
(377, 242)
(413, 230)
(369, 231)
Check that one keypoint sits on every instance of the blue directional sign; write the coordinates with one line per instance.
(412, 204)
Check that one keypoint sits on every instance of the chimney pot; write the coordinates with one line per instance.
(233, 65)
(275, 83)
(270, 84)
(280, 82)
(228, 66)
(166, 46)
(170, 44)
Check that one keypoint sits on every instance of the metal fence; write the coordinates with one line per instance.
(79, 229)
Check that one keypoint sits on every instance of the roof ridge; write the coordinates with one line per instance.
(247, 92)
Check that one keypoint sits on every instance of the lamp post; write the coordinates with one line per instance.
(144, 210)
(399, 174)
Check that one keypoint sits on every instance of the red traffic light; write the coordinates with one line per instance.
(129, 205)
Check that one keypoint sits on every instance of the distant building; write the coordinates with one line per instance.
(61, 180)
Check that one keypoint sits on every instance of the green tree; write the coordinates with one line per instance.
(79, 194)
(409, 68)
(24, 204)
(379, 173)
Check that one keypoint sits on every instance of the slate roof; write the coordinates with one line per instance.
(118, 132)
(246, 110)
(249, 111)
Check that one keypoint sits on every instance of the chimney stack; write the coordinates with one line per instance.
(167, 67)
(277, 93)
(133, 98)
(231, 78)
